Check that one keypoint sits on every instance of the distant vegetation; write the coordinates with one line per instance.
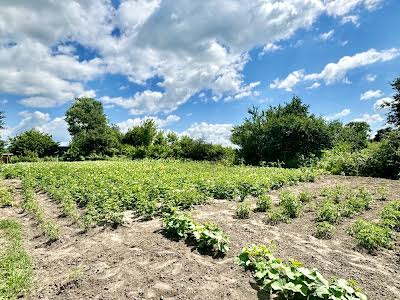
(286, 136)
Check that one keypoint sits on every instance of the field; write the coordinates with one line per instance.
(114, 230)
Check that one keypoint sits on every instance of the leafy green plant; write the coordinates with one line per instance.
(5, 197)
(290, 204)
(178, 224)
(382, 193)
(243, 210)
(329, 212)
(209, 236)
(15, 263)
(263, 203)
(291, 280)
(370, 235)
(390, 216)
(276, 216)
(305, 197)
(325, 230)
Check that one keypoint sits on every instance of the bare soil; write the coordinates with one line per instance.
(136, 261)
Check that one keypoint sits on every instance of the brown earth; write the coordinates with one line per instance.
(136, 261)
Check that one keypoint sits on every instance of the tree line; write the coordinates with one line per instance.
(286, 135)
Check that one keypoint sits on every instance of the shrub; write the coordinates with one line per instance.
(243, 210)
(290, 204)
(263, 203)
(370, 235)
(291, 280)
(325, 230)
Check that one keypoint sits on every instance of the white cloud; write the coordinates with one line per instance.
(161, 123)
(345, 112)
(289, 82)
(351, 19)
(270, 47)
(315, 85)
(211, 133)
(370, 119)
(327, 35)
(336, 72)
(56, 127)
(370, 77)
(378, 105)
(371, 94)
(190, 45)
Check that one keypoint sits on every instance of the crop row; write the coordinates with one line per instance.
(103, 190)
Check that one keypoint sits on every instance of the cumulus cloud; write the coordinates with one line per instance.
(336, 72)
(370, 77)
(379, 104)
(315, 85)
(210, 133)
(56, 127)
(161, 123)
(190, 46)
(371, 94)
(345, 112)
(370, 119)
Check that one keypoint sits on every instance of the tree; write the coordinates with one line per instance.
(382, 133)
(142, 135)
(90, 131)
(394, 106)
(84, 115)
(287, 134)
(2, 143)
(33, 142)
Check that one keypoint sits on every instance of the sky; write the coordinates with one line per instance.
(195, 67)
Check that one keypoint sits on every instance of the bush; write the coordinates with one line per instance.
(370, 235)
(263, 203)
(243, 210)
(324, 230)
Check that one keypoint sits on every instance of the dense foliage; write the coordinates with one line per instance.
(33, 143)
(291, 280)
(287, 134)
(106, 189)
(394, 106)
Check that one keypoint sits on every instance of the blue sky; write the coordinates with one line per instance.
(195, 67)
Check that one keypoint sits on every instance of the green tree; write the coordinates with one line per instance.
(394, 106)
(142, 135)
(2, 123)
(33, 142)
(90, 131)
(287, 134)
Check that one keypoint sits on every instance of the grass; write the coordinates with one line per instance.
(15, 263)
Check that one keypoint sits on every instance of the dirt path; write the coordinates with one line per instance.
(136, 261)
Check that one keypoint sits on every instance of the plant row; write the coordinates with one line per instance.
(5, 197)
(15, 263)
(292, 281)
(380, 234)
(206, 236)
(104, 190)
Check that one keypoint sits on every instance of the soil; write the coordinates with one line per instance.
(136, 261)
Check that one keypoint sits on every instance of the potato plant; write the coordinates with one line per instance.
(99, 192)
(207, 236)
(292, 281)
(263, 203)
(243, 210)
(5, 197)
